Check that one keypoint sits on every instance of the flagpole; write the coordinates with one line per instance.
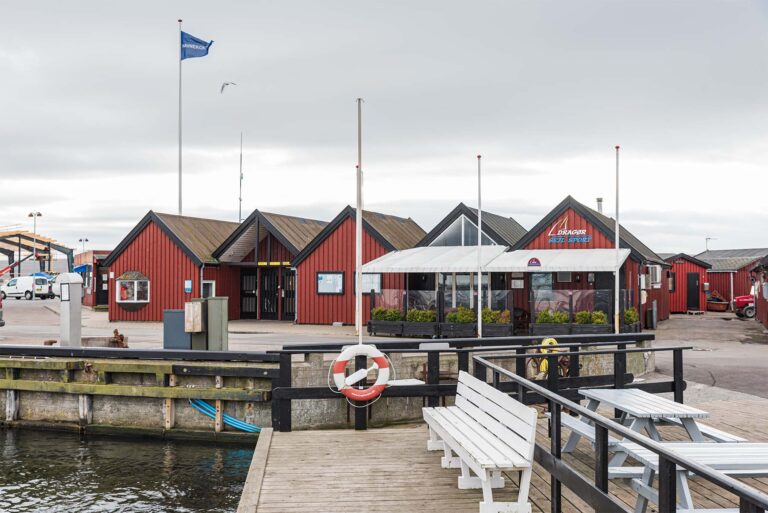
(180, 117)
(479, 258)
(617, 240)
(240, 208)
(359, 227)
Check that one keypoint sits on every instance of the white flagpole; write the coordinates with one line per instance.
(240, 208)
(359, 227)
(617, 291)
(180, 117)
(479, 248)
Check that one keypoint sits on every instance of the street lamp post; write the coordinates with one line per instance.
(83, 241)
(34, 216)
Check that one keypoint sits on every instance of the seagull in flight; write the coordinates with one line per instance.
(224, 85)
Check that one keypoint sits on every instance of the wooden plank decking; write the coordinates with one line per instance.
(390, 470)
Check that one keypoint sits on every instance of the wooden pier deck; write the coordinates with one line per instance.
(390, 470)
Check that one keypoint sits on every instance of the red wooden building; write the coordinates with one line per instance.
(731, 274)
(572, 225)
(268, 283)
(686, 281)
(325, 268)
(90, 265)
(165, 261)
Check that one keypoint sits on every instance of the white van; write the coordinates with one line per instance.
(22, 287)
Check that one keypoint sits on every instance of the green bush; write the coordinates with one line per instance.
(462, 315)
(599, 317)
(631, 316)
(386, 314)
(560, 318)
(544, 317)
(491, 316)
(416, 315)
(505, 317)
(584, 317)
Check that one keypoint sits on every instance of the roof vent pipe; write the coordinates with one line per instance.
(600, 205)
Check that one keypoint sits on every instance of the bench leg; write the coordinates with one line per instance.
(521, 506)
(434, 443)
(469, 482)
(449, 460)
(647, 480)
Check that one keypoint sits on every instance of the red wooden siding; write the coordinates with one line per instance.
(337, 253)
(227, 285)
(721, 282)
(679, 298)
(154, 255)
(574, 222)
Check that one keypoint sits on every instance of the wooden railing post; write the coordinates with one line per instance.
(667, 486)
(433, 376)
(619, 369)
(574, 367)
(361, 410)
(480, 371)
(281, 409)
(601, 458)
(677, 374)
(747, 507)
(555, 488)
(552, 375)
(463, 361)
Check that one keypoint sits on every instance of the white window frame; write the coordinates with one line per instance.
(135, 291)
(213, 287)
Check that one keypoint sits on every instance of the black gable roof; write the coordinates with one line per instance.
(504, 230)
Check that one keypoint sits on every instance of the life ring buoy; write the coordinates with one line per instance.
(361, 394)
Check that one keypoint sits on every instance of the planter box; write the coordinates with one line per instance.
(631, 328)
(498, 330)
(419, 329)
(590, 329)
(385, 328)
(451, 330)
(550, 329)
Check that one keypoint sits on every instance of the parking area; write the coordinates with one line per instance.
(729, 352)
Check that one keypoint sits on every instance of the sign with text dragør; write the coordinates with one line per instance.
(559, 233)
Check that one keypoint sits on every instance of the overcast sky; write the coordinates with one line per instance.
(543, 90)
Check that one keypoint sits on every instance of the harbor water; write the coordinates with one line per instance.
(62, 472)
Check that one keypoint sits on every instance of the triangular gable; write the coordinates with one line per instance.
(502, 230)
(671, 259)
(572, 225)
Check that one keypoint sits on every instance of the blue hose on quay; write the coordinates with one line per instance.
(209, 411)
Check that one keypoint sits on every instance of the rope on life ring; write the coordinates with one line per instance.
(345, 383)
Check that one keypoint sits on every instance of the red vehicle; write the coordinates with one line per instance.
(745, 306)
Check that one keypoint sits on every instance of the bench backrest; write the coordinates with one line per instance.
(511, 421)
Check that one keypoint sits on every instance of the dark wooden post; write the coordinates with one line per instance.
(570, 307)
(552, 374)
(480, 371)
(601, 457)
(619, 369)
(281, 409)
(677, 374)
(361, 412)
(440, 303)
(747, 507)
(667, 486)
(433, 375)
(574, 368)
(463, 360)
(555, 488)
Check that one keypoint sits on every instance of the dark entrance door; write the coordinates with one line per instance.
(289, 294)
(248, 293)
(693, 291)
(269, 292)
(102, 286)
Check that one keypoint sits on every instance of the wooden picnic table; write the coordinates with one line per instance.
(738, 460)
(641, 409)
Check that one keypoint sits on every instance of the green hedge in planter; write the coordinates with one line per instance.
(599, 317)
(550, 317)
(386, 314)
(631, 316)
(416, 315)
(584, 317)
(495, 316)
(462, 315)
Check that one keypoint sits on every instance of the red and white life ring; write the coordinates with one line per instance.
(361, 394)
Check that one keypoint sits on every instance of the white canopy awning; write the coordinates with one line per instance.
(557, 260)
(434, 259)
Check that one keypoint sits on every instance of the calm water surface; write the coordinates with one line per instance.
(61, 472)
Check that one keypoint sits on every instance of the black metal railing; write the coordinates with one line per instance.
(595, 492)
(143, 354)
(434, 388)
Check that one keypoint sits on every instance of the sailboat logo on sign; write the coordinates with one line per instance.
(560, 234)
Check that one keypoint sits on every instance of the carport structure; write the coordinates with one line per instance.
(14, 243)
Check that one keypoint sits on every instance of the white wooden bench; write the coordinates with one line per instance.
(490, 433)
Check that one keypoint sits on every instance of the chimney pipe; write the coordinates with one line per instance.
(600, 205)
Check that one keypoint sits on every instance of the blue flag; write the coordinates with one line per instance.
(193, 47)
